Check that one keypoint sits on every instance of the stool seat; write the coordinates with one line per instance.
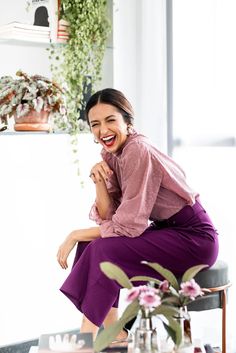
(214, 278)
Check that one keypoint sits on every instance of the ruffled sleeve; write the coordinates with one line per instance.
(94, 215)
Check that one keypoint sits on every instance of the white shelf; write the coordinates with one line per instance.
(30, 42)
(14, 41)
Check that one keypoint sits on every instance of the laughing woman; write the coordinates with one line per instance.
(144, 210)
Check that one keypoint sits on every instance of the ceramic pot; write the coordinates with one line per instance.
(34, 121)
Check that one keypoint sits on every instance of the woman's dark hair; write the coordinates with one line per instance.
(113, 97)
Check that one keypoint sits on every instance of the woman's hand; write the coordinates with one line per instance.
(74, 237)
(100, 172)
(65, 249)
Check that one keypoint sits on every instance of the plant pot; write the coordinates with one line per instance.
(34, 121)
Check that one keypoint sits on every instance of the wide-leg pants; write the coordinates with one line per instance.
(186, 239)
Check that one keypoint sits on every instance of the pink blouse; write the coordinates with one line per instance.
(145, 185)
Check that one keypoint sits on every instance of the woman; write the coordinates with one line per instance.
(135, 184)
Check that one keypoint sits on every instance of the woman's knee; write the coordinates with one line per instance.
(105, 247)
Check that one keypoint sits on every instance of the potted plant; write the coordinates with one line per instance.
(30, 100)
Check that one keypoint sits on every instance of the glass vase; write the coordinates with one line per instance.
(185, 323)
(145, 337)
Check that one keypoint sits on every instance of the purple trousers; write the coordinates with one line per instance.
(186, 239)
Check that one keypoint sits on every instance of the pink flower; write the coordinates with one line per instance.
(164, 286)
(149, 298)
(133, 294)
(190, 289)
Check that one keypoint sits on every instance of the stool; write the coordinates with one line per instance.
(216, 280)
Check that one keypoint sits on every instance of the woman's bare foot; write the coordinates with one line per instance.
(122, 339)
(123, 335)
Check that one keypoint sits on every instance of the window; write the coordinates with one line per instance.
(204, 71)
(204, 123)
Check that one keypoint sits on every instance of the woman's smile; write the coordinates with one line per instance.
(108, 126)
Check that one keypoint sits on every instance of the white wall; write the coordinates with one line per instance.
(139, 41)
(33, 58)
(41, 196)
(41, 202)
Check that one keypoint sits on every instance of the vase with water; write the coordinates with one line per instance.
(145, 337)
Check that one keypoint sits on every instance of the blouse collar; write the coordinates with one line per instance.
(119, 152)
(129, 138)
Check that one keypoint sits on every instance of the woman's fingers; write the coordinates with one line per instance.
(100, 172)
(65, 249)
(62, 259)
(104, 170)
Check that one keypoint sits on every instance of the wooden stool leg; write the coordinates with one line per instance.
(224, 300)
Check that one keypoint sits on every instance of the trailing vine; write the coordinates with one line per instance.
(78, 63)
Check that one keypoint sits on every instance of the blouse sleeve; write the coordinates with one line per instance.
(115, 195)
(141, 180)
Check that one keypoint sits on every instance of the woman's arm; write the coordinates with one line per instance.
(103, 200)
(99, 174)
(74, 237)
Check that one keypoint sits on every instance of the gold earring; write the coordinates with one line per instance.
(130, 130)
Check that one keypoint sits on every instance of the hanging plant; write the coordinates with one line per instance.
(78, 63)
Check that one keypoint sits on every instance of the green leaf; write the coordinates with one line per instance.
(174, 300)
(192, 271)
(130, 312)
(110, 333)
(145, 278)
(174, 330)
(165, 310)
(113, 271)
(106, 336)
(164, 272)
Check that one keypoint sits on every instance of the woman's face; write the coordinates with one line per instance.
(108, 126)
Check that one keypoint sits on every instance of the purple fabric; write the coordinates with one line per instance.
(188, 239)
